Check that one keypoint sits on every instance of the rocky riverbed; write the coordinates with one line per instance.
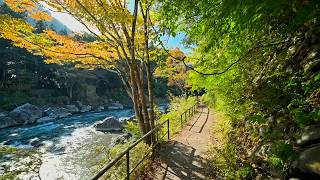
(66, 148)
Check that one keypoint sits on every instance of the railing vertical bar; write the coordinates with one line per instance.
(128, 165)
(168, 129)
(181, 122)
(192, 110)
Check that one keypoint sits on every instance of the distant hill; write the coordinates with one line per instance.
(54, 24)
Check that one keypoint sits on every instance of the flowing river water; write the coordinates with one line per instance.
(70, 148)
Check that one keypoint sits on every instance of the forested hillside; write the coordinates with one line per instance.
(26, 78)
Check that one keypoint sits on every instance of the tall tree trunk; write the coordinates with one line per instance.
(148, 66)
(143, 102)
(137, 86)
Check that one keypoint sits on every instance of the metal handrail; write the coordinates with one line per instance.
(126, 151)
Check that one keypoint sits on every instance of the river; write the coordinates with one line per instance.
(70, 147)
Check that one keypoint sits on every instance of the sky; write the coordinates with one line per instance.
(74, 25)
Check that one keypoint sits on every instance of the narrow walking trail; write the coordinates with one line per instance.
(184, 156)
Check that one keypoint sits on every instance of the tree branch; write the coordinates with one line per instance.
(214, 73)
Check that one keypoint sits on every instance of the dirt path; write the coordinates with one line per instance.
(184, 156)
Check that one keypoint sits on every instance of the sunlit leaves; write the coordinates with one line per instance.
(56, 48)
(29, 7)
(174, 70)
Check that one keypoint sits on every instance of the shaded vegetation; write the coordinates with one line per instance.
(268, 52)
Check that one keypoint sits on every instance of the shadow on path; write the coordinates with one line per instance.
(180, 162)
(183, 157)
(196, 119)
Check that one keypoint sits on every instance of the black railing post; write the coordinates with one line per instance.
(181, 121)
(185, 116)
(192, 110)
(168, 130)
(128, 165)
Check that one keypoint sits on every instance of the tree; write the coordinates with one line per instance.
(40, 26)
(174, 70)
(122, 37)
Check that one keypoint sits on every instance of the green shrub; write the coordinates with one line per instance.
(244, 172)
(209, 99)
(13, 100)
(177, 107)
(281, 153)
(133, 128)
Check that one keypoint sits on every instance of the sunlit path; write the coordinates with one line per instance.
(184, 157)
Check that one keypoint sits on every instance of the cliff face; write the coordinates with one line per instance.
(25, 78)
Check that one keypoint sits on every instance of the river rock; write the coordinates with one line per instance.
(309, 135)
(312, 66)
(6, 121)
(25, 114)
(72, 108)
(99, 109)
(35, 142)
(108, 124)
(85, 108)
(263, 151)
(78, 104)
(57, 112)
(45, 119)
(122, 139)
(307, 166)
(115, 106)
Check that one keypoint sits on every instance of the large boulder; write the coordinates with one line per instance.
(57, 112)
(6, 121)
(108, 124)
(25, 114)
(307, 166)
(115, 106)
(85, 108)
(309, 135)
(72, 108)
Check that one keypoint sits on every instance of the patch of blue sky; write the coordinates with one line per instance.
(74, 25)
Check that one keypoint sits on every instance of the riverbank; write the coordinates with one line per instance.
(30, 114)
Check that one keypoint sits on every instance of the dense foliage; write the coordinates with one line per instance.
(263, 60)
